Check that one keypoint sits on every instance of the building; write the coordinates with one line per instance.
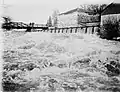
(69, 18)
(76, 17)
(112, 11)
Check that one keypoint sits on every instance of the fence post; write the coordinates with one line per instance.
(62, 30)
(76, 30)
(71, 30)
(86, 29)
(52, 31)
(44, 30)
(92, 29)
(59, 30)
(66, 30)
(17, 25)
(55, 30)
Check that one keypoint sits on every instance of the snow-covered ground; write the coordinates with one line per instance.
(52, 62)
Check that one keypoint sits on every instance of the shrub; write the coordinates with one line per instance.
(110, 28)
(7, 23)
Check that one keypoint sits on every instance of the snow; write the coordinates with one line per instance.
(60, 49)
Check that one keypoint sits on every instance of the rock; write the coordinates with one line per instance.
(82, 63)
(84, 60)
(51, 64)
(117, 66)
(113, 71)
(33, 75)
(28, 66)
(52, 81)
(52, 84)
(70, 86)
(62, 65)
(112, 62)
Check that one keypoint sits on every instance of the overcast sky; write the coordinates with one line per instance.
(38, 10)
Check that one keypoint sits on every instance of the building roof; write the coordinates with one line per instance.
(72, 11)
(113, 8)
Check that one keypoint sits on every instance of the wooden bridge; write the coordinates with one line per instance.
(21, 25)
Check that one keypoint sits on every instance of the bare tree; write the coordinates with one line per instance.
(94, 9)
(55, 17)
(7, 19)
(97, 8)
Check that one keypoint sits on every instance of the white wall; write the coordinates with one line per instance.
(68, 20)
(110, 16)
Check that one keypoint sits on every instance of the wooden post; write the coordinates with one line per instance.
(66, 30)
(71, 30)
(86, 29)
(17, 25)
(92, 29)
(55, 30)
(51, 30)
(59, 30)
(62, 30)
(21, 25)
(76, 30)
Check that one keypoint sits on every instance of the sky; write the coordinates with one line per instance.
(38, 11)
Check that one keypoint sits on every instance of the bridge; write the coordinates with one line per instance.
(32, 27)
(21, 25)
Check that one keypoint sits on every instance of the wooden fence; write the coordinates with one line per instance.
(85, 29)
